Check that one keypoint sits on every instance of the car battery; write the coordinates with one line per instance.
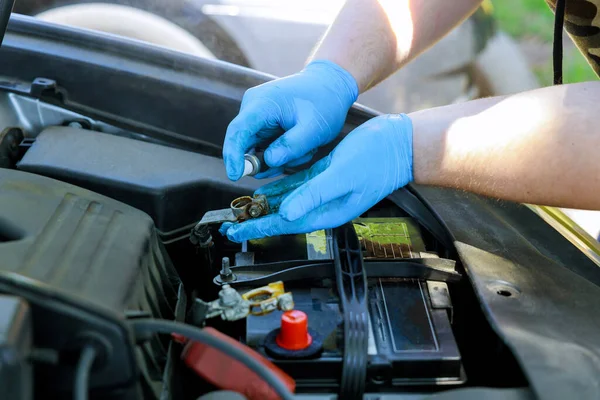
(410, 336)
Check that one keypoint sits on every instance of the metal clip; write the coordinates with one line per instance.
(246, 207)
(232, 306)
(266, 299)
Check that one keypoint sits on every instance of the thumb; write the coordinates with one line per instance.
(267, 226)
(242, 135)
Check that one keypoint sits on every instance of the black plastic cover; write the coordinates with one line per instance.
(351, 280)
(538, 291)
(173, 186)
(84, 262)
(16, 333)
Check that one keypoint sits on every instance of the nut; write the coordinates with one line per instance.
(285, 302)
(229, 297)
(255, 210)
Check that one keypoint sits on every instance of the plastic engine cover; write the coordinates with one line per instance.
(156, 179)
(84, 262)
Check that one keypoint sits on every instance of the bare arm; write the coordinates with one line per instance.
(371, 39)
(540, 147)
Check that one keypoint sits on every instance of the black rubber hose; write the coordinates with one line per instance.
(145, 327)
(6, 7)
(82, 375)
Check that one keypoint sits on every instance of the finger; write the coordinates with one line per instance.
(224, 227)
(270, 173)
(273, 172)
(330, 215)
(270, 225)
(295, 143)
(241, 136)
(275, 201)
(289, 183)
(320, 190)
(302, 160)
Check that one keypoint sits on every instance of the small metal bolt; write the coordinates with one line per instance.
(226, 274)
(255, 210)
(225, 270)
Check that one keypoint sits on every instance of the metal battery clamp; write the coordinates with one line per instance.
(233, 306)
(241, 209)
(269, 298)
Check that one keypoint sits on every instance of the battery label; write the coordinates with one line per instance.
(389, 238)
(380, 238)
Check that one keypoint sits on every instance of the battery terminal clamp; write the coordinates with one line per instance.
(266, 299)
(241, 209)
(233, 306)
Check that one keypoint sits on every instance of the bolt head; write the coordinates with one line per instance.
(255, 211)
(229, 296)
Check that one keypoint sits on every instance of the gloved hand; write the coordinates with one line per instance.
(310, 106)
(370, 163)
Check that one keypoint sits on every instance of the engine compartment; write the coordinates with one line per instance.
(389, 308)
(523, 313)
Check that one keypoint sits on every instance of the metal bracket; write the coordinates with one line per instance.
(241, 209)
(440, 297)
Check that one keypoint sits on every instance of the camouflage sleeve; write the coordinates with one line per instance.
(582, 23)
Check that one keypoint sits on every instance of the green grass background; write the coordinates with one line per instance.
(532, 18)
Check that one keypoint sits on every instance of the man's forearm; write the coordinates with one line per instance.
(539, 147)
(371, 39)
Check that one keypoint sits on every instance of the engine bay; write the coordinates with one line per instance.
(110, 156)
(101, 230)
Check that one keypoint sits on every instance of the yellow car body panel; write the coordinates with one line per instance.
(570, 230)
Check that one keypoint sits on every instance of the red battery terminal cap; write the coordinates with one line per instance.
(293, 334)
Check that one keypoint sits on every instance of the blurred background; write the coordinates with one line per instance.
(530, 23)
(505, 47)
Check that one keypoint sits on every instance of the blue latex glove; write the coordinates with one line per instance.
(373, 161)
(310, 107)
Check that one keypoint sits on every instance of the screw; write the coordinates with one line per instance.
(225, 273)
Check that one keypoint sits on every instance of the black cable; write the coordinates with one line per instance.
(6, 7)
(82, 374)
(145, 328)
(557, 47)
